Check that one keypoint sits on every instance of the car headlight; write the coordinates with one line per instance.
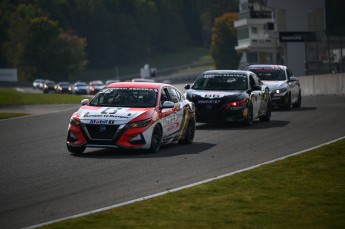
(280, 90)
(139, 124)
(74, 121)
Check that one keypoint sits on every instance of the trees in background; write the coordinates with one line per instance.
(223, 42)
(56, 39)
(38, 47)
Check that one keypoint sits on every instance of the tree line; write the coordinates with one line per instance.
(60, 38)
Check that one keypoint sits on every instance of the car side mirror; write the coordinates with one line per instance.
(168, 104)
(187, 86)
(292, 79)
(85, 102)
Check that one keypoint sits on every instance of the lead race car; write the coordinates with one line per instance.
(229, 96)
(132, 115)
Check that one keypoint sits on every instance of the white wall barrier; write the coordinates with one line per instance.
(328, 84)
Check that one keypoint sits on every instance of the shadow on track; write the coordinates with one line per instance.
(170, 150)
(237, 126)
(294, 109)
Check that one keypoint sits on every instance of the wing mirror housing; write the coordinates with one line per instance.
(85, 102)
(168, 104)
(292, 79)
(187, 86)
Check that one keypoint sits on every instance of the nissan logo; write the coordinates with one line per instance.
(102, 128)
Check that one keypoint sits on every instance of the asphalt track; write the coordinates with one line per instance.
(40, 181)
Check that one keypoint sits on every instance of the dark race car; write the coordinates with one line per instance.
(230, 96)
(49, 87)
(284, 86)
(64, 87)
(132, 116)
(80, 88)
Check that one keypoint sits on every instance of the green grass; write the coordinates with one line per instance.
(5, 115)
(303, 191)
(9, 96)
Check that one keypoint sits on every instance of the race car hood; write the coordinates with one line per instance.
(110, 115)
(207, 94)
(274, 85)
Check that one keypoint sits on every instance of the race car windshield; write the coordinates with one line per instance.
(226, 82)
(270, 74)
(125, 97)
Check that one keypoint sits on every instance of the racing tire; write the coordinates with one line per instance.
(298, 104)
(156, 139)
(288, 106)
(76, 150)
(189, 133)
(250, 117)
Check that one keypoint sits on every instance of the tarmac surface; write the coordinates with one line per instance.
(41, 181)
(37, 109)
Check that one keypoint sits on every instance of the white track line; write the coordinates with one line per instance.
(183, 187)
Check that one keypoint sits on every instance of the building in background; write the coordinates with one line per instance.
(255, 37)
(285, 32)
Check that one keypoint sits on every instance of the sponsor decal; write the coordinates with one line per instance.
(212, 95)
(245, 112)
(173, 126)
(104, 122)
(118, 113)
(211, 76)
(170, 119)
(88, 115)
(208, 101)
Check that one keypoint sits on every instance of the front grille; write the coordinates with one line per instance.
(104, 132)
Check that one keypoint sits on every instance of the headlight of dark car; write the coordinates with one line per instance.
(280, 91)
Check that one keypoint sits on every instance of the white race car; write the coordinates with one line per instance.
(132, 115)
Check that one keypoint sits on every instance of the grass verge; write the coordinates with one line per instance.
(9, 96)
(5, 115)
(303, 191)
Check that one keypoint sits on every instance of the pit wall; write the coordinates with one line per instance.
(328, 84)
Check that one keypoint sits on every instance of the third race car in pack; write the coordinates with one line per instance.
(284, 86)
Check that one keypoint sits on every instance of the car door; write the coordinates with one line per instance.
(256, 95)
(265, 97)
(171, 118)
(293, 84)
(178, 110)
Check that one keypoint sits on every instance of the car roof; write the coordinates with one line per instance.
(142, 80)
(266, 66)
(137, 85)
(227, 72)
